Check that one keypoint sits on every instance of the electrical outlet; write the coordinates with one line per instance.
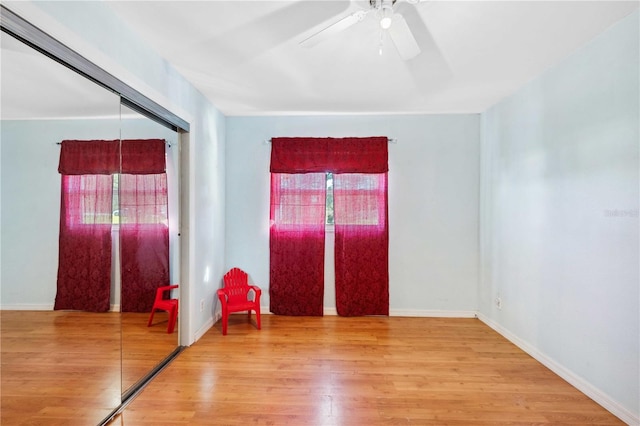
(499, 302)
(202, 305)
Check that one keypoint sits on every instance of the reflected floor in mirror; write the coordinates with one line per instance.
(66, 367)
(143, 348)
(59, 367)
(358, 371)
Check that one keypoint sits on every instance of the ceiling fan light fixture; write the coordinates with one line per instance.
(385, 20)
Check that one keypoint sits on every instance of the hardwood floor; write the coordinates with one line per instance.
(58, 367)
(69, 368)
(144, 347)
(358, 371)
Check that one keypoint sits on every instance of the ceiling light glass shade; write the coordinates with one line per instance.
(385, 23)
(385, 20)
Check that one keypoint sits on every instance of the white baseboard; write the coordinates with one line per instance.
(400, 313)
(42, 307)
(431, 313)
(576, 381)
(28, 307)
(202, 330)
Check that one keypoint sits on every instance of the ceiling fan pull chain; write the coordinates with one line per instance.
(381, 42)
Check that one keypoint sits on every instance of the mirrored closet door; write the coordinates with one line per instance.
(66, 351)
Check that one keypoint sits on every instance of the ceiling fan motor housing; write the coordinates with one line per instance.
(379, 4)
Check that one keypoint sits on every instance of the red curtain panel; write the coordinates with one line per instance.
(296, 243)
(361, 244)
(84, 266)
(360, 168)
(144, 239)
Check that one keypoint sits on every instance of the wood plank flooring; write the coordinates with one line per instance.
(359, 371)
(58, 367)
(144, 347)
(69, 368)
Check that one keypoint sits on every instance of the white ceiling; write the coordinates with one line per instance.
(36, 87)
(246, 58)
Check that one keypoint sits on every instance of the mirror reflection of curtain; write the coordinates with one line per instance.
(87, 218)
(84, 266)
(144, 226)
(84, 271)
(144, 239)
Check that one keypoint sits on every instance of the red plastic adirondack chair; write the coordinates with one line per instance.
(236, 297)
(169, 305)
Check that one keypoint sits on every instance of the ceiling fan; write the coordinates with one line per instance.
(389, 20)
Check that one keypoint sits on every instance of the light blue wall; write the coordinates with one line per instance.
(433, 202)
(559, 217)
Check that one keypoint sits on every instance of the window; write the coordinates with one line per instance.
(142, 199)
(353, 189)
(329, 208)
(88, 199)
(301, 198)
(358, 199)
(91, 194)
(115, 206)
(140, 196)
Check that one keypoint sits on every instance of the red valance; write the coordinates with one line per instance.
(143, 156)
(337, 155)
(102, 157)
(93, 157)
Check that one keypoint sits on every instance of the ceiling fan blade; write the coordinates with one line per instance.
(431, 66)
(403, 38)
(334, 28)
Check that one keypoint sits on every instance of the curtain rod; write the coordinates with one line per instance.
(168, 143)
(391, 140)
